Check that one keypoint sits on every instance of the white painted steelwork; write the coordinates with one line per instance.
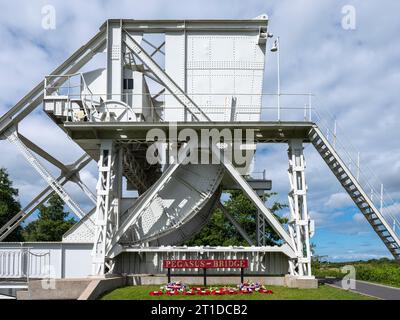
(194, 74)
(299, 223)
(31, 260)
(266, 261)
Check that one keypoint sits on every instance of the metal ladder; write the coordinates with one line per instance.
(355, 191)
(12, 136)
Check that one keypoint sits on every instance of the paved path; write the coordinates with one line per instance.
(372, 289)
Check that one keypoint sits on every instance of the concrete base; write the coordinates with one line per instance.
(98, 287)
(70, 289)
(301, 282)
(92, 288)
(54, 289)
(198, 280)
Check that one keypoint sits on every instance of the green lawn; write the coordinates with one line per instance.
(324, 292)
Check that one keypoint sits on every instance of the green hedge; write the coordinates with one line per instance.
(382, 271)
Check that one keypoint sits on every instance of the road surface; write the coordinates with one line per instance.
(372, 289)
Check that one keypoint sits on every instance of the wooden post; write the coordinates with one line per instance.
(241, 275)
(169, 275)
(205, 276)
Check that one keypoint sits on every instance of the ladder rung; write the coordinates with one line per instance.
(358, 200)
(389, 242)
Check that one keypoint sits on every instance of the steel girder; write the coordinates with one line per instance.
(261, 236)
(43, 196)
(236, 224)
(164, 78)
(109, 193)
(23, 108)
(32, 100)
(237, 177)
(299, 223)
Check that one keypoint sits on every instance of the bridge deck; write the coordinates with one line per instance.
(265, 131)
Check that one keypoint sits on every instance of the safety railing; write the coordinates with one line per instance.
(165, 107)
(65, 85)
(353, 159)
(22, 263)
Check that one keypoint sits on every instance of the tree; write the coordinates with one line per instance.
(51, 224)
(9, 206)
(220, 232)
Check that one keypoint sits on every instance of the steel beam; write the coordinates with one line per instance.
(236, 224)
(164, 78)
(45, 155)
(299, 223)
(42, 197)
(162, 26)
(260, 225)
(109, 193)
(252, 195)
(32, 100)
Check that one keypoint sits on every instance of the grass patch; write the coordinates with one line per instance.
(324, 292)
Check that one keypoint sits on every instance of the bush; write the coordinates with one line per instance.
(383, 271)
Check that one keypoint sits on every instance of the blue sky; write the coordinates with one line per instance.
(355, 74)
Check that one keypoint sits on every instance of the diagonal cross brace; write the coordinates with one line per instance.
(236, 224)
(252, 195)
(33, 99)
(64, 168)
(43, 196)
(164, 78)
(12, 136)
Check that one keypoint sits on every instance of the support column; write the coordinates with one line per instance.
(109, 193)
(299, 223)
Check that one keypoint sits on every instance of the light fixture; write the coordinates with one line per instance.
(275, 46)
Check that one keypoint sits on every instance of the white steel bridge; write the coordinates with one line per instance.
(170, 79)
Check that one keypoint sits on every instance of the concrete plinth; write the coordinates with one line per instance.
(301, 282)
(70, 289)
(54, 289)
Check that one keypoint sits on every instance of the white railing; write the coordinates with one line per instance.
(13, 263)
(22, 263)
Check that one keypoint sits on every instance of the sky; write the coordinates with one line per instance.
(353, 73)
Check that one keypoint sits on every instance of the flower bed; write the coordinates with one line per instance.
(177, 288)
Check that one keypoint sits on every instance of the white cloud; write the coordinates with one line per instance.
(358, 217)
(338, 200)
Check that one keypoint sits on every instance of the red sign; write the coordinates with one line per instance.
(218, 263)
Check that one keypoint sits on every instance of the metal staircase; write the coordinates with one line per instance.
(355, 191)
